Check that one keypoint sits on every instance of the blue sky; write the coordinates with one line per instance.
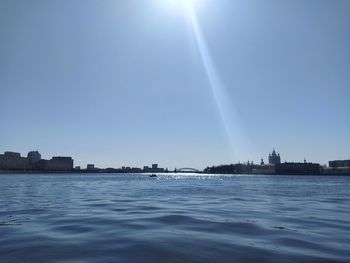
(123, 82)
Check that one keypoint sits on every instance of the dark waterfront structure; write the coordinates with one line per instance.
(338, 167)
(60, 164)
(275, 167)
(221, 169)
(90, 167)
(13, 161)
(238, 168)
(339, 163)
(298, 168)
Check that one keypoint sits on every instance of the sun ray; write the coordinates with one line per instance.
(228, 115)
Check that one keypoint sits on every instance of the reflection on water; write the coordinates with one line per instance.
(174, 218)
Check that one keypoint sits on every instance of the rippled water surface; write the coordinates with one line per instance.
(174, 218)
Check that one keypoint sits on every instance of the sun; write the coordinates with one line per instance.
(180, 6)
(184, 3)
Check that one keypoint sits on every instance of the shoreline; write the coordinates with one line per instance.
(2, 172)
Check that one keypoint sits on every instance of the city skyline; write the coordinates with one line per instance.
(33, 160)
(14, 162)
(125, 82)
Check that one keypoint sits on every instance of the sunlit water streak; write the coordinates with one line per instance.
(174, 218)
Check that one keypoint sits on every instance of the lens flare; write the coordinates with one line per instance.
(238, 142)
(236, 136)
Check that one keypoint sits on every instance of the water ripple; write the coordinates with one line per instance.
(130, 218)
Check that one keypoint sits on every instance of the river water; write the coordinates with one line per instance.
(174, 218)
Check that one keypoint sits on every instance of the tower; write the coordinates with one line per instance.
(274, 158)
(34, 156)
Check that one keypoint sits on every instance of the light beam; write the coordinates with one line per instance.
(228, 115)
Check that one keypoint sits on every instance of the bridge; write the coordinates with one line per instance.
(187, 170)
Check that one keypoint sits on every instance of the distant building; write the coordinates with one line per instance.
(90, 167)
(13, 161)
(12, 154)
(135, 170)
(60, 164)
(264, 169)
(336, 170)
(339, 163)
(298, 168)
(338, 167)
(238, 168)
(40, 165)
(274, 158)
(153, 169)
(34, 156)
(127, 169)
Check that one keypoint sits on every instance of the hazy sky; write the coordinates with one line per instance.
(122, 82)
